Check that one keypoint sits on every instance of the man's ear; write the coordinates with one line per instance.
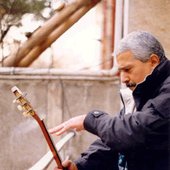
(154, 59)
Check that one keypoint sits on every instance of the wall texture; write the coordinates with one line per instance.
(152, 16)
(22, 142)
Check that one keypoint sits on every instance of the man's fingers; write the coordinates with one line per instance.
(63, 130)
(55, 129)
(70, 165)
(66, 163)
(75, 123)
(58, 130)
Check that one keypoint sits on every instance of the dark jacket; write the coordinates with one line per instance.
(143, 136)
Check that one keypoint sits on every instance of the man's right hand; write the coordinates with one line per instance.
(75, 123)
(69, 165)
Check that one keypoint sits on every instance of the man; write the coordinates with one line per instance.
(139, 137)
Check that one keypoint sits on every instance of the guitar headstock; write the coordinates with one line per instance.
(23, 103)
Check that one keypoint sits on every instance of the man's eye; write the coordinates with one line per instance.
(127, 69)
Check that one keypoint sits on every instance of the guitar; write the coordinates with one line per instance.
(24, 105)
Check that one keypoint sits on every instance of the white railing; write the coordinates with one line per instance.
(45, 161)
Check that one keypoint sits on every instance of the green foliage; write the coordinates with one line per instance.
(20, 7)
(11, 12)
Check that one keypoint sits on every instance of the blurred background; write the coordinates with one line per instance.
(61, 54)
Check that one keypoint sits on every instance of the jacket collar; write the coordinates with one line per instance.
(148, 88)
(127, 100)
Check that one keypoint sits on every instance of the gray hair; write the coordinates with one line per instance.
(142, 44)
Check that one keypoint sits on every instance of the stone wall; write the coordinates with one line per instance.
(152, 16)
(55, 97)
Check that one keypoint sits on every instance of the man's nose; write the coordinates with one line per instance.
(124, 77)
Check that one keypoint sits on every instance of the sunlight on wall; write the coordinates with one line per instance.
(79, 47)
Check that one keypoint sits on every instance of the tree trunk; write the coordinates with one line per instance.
(44, 36)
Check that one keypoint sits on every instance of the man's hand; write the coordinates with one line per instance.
(75, 123)
(69, 165)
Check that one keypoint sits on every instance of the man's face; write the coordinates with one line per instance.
(133, 71)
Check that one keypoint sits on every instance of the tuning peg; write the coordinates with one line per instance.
(19, 107)
(26, 114)
(14, 101)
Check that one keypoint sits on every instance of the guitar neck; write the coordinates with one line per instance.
(28, 110)
(49, 141)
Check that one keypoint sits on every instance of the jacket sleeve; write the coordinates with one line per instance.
(98, 157)
(147, 126)
(122, 133)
